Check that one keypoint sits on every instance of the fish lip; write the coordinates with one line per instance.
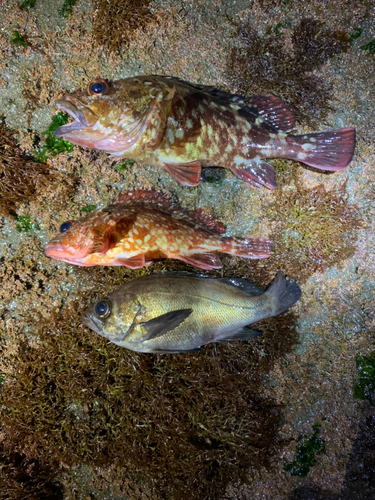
(54, 251)
(90, 323)
(80, 120)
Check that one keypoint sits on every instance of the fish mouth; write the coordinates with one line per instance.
(80, 119)
(92, 322)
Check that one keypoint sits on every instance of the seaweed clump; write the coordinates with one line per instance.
(305, 455)
(21, 178)
(364, 388)
(260, 64)
(314, 230)
(116, 22)
(186, 425)
(54, 145)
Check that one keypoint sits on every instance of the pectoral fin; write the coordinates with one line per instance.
(187, 174)
(135, 262)
(165, 323)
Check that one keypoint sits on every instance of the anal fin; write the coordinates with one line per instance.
(177, 351)
(187, 174)
(135, 262)
(243, 334)
(257, 173)
(203, 260)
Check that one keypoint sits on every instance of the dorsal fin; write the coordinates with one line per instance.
(158, 200)
(272, 109)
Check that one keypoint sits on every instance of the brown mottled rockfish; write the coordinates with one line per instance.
(144, 225)
(179, 312)
(168, 123)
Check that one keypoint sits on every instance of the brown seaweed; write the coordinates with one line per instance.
(262, 64)
(116, 21)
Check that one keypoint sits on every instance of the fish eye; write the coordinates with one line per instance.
(103, 308)
(98, 87)
(65, 226)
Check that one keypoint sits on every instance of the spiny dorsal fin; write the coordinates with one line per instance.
(272, 109)
(158, 200)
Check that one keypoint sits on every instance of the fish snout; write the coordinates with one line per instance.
(57, 250)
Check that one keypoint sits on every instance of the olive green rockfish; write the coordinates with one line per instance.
(179, 312)
(168, 123)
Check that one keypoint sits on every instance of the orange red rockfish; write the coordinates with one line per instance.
(144, 225)
(168, 123)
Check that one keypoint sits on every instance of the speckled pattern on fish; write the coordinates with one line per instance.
(168, 123)
(144, 225)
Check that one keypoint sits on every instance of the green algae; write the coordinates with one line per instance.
(88, 208)
(17, 39)
(121, 167)
(305, 454)
(53, 145)
(27, 4)
(369, 46)
(67, 8)
(25, 224)
(356, 33)
(216, 180)
(364, 387)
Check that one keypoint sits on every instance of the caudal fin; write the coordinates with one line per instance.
(331, 150)
(283, 293)
(249, 248)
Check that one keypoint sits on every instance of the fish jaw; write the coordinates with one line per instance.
(67, 253)
(88, 319)
(83, 117)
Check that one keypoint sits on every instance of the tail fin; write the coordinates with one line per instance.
(331, 150)
(250, 248)
(284, 294)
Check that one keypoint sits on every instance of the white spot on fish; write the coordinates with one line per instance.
(170, 136)
(307, 146)
(146, 238)
(179, 133)
(194, 113)
(301, 156)
(139, 242)
(189, 123)
(258, 120)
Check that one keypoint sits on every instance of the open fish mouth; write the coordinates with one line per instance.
(80, 120)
